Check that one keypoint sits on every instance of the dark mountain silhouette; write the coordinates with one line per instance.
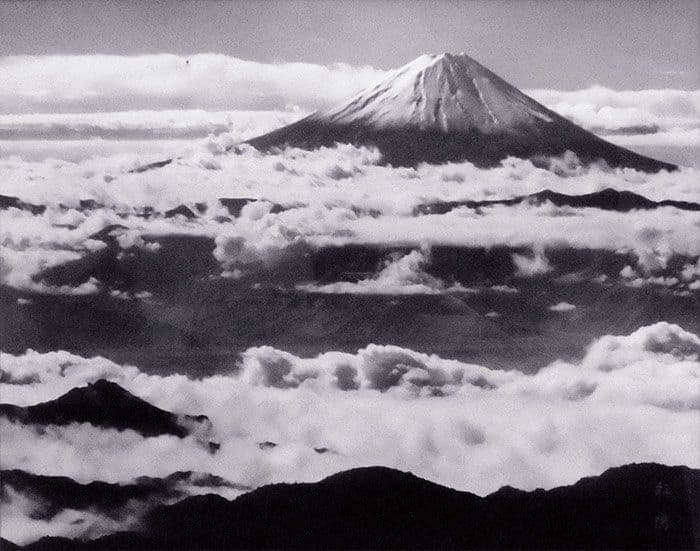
(181, 210)
(235, 205)
(442, 108)
(150, 166)
(7, 545)
(106, 404)
(53, 494)
(56, 493)
(607, 199)
(7, 201)
(645, 506)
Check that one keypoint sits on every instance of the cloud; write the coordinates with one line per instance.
(79, 83)
(293, 176)
(151, 97)
(528, 266)
(30, 244)
(637, 111)
(143, 125)
(400, 275)
(562, 307)
(23, 521)
(504, 289)
(99, 83)
(631, 398)
(273, 243)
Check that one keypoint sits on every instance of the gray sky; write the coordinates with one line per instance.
(555, 44)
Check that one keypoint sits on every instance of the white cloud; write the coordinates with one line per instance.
(64, 83)
(294, 176)
(400, 275)
(504, 289)
(528, 266)
(23, 522)
(328, 211)
(609, 110)
(199, 97)
(631, 398)
(562, 307)
(180, 127)
(69, 83)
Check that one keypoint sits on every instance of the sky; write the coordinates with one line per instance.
(533, 44)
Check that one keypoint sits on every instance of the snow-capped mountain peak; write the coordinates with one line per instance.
(448, 108)
(445, 92)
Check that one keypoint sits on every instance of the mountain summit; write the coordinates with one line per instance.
(446, 107)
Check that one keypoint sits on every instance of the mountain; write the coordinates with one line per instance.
(53, 494)
(106, 404)
(442, 108)
(645, 506)
(7, 202)
(607, 199)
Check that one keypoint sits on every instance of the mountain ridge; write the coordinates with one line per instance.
(636, 506)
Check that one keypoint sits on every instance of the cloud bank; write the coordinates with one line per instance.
(88, 83)
(631, 398)
(303, 201)
(214, 82)
(625, 111)
(400, 275)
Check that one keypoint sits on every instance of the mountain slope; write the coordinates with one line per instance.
(53, 494)
(106, 404)
(441, 108)
(645, 506)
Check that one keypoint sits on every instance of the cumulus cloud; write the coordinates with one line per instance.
(293, 176)
(30, 244)
(528, 266)
(562, 307)
(273, 237)
(320, 210)
(631, 398)
(400, 275)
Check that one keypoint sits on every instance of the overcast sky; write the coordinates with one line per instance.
(534, 44)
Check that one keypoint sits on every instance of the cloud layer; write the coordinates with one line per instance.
(332, 197)
(98, 83)
(631, 398)
(59, 84)
(198, 93)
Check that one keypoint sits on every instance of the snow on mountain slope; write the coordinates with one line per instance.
(446, 107)
(444, 92)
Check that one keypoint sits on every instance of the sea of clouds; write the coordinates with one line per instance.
(333, 196)
(631, 398)
(73, 128)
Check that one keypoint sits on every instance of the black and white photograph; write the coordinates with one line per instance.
(349, 274)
